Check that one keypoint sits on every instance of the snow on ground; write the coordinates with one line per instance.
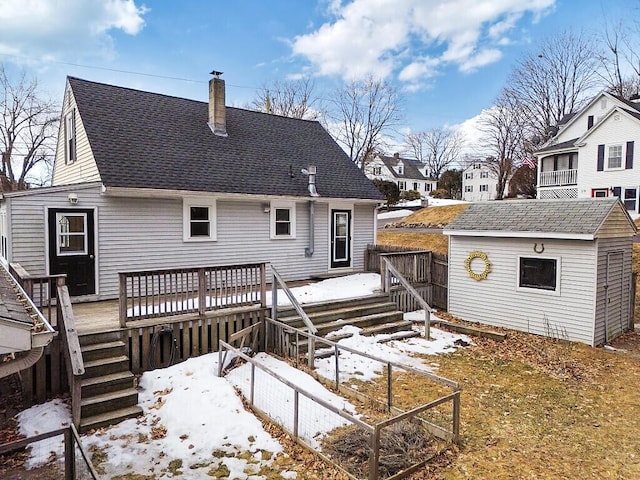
(433, 202)
(394, 214)
(192, 415)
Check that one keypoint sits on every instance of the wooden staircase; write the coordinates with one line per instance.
(374, 314)
(108, 386)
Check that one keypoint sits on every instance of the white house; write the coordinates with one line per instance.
(407, 173)
(145, 181)
(559, 268)
(593, 153)
(479, 183)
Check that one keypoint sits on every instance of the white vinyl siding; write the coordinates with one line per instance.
(145, 234)
(497, 300)
(84, 168)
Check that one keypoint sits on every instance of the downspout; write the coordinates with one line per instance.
(21, 363)
(311, 172)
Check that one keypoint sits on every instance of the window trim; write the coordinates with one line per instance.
(70, 144)
(542, 291)
(60, 233)
(209, 203)
(282, 205)
(608, 159)
(484, 187)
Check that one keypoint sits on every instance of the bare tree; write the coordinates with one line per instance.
(295, 99)
(437, 148)
(620, 61)
(555, 80)
(504, 133)
(28, 129)
(366, 111)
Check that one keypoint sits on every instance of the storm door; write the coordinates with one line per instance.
(340, 238)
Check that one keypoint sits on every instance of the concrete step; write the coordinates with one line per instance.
(96, 351)
(108, 402)
(105, 366)
(99, 337)
(109, 418)
(107, 383)
(344, 313)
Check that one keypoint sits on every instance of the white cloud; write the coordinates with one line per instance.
(412, 38)
(40, 29)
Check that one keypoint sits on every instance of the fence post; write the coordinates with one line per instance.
(389, 388)
(427, 324)
(202, 292)
(263, 285)
(456, 417)
(274, 298)
(69, 456)
(374, 455)
(122, 299)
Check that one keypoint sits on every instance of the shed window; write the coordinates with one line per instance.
(199, 220)
(538, 273)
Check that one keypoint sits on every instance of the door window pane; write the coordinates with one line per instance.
(72, 235)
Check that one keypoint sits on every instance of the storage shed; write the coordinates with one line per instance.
(559, 268)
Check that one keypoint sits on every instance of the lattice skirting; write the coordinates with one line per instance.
(558, 193)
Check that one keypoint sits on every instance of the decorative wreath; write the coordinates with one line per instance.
(487, 265)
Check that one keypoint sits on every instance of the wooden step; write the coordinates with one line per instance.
(105, 366)
(99, 337)
(107, 383)
(361, 322)
(313, 307)
(109, 418)
(96, 351)
(389, 327)
(107, 402)
(398, 335)
(344, 313)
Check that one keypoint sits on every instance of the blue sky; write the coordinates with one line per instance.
(450, 58)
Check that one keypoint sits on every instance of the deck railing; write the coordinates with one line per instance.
(40, 289)
(415, 265)
(161, 293)
(558, 178)
(71, 349)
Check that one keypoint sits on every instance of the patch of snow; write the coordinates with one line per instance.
(47, 417)
(394, 214)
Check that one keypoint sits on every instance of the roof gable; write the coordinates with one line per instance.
(575, 218)
(632, 115)
(411, 167)
(152, 141)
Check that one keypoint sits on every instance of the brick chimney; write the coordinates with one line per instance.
(217, 107)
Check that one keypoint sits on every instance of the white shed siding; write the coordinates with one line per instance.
(611, 132)
(137, 234)
(496, 301)
(604, 247)
(84, 169)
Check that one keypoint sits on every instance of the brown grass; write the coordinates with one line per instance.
(423, 241)
(436, 217)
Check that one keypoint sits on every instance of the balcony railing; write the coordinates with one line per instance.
(558, 178)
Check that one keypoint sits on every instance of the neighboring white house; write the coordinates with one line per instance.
(559, 268)
(593, 153)
(408, 174)
(145, 181)
(479, 183)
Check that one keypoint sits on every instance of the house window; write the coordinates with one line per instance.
(484, 174)
(402, 185)
(468, 188)
(199, 220)
(600, 192)
(630, 196)
(415, 185)
(427, 187)
(3, 235)
(539, 273)
(377, 170)
(468, 175)
(70, 137)
(614, 160)
(484, 188)
(477, 165)
(283, 220)
(399, 168)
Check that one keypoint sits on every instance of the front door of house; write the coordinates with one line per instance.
(71, 248)
(615, 308)
(340, 238)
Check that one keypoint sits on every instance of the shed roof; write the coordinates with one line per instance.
(152, 141)
(575, 218)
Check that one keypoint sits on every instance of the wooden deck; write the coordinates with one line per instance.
(94, 317)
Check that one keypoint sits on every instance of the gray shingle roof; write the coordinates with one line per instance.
(558, 146)
(147, 140)
(411, 167)
(575, 216)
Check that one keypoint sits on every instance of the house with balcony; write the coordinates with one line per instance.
(479, 183)
(592, 155)
(407, 173)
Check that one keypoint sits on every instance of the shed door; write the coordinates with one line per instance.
(615, 307)
(71, 248)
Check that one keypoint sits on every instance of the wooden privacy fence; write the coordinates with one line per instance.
(426, 271)
(162, 293)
